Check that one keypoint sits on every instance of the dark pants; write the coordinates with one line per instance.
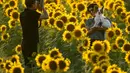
(27, 49)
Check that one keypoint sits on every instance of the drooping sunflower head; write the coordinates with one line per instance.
(39, 59)
(59, 24)
(8, 11)
(97, 69)
(55, 53)
(86, 42)
(18, 49)
(94, 58)
(127, 57)
(2, 65)
(17, 69)
(120, 41)
(97, 46)
(8, 65)
(3, 28)
(85, 31)
(70, 26)
(80, 48)
(5, 6)
(67, 36)
(5, 36)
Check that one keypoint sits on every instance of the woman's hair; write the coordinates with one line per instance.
(29, 3)
(92, 8)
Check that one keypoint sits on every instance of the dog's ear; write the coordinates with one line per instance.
(102, 10)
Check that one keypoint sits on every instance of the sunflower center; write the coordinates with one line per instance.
(3, 28)
(111, 34)
(97, 47)
(78, 33)
(62, 65)
(6, 6)
(86, 43)
(114, 72)
(115, 46)
(72, 19)
(41, 59)
(119, 10)
(17, 70)
(53, 65)
(70, 27)
(118, 32)
(111, 5)
(57, 14)
(52, 21)
(13, 60)
(59, 24)
(5, 36)
(123, 15)
(15, 15)
(127, 47)
(82, 25)
(54, 53)
(81, 49)
(7, 66)
(128, 28)
(50, 14)
(12, 3)
(68, 36)
(64, 19)
(81, 7)
(19, 49)
(98, 71)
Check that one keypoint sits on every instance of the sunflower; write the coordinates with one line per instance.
(127, 29)
(51, 21)
(104, 66)
(17, 69)
(13, 3)
(114, 71)
(5, 6)
(8, 11)
(126, 47)
(11, 23)
(114, 24)
(80, 6)
(45, 24)
(120, 9)
(18, 49)
(120, 41)
(80, 48)
(82, 24)
(70, 26)
(3, 28)
(103, 61)
(110, 34)
(67, 36)
(64, 18)
(56, 14)
(113, 67)
(103, 57)
(116, 5)
(107, 47)
(59, 24)
(128, 19)
(50, 65)
(97, 46)
(123, 15)
(78, 33)
(97, 69)
(63, 65)
(127, 57)
(114, 47)
(73, 6)
(118, 31)
(110, 5)
(72, 19)
(86, 42)
(15, 15)
(85, 31)
(5, 36)
(15, 59)
(2, 65)
(93, 58)
(119, 2)
(55, 53)
(73, 13)
(39, 59)
(8, 65)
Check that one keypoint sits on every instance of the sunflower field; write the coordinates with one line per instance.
(64, 46)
